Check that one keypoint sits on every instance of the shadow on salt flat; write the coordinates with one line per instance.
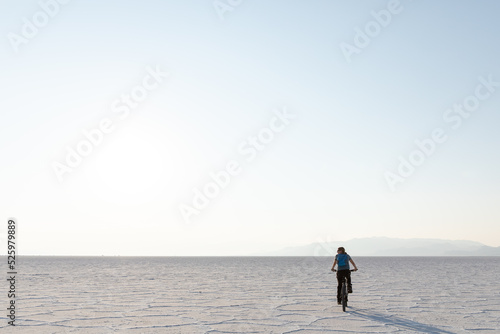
(400, 323)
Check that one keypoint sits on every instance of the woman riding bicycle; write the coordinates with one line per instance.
(343, 270)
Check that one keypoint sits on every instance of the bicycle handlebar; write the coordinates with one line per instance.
(350, 270)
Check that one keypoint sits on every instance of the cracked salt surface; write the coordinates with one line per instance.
(255, 295)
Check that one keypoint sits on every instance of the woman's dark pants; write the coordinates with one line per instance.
(340, 279)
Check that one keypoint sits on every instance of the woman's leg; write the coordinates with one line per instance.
(339, 285)
(349, 285)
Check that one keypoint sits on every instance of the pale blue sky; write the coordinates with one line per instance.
(321, 178)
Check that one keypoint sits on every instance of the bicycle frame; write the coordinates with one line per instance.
(344, 293)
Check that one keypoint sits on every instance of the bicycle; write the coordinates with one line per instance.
(343, 292)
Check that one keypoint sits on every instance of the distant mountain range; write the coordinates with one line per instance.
(381, 246)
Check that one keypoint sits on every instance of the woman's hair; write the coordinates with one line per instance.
(342, 249)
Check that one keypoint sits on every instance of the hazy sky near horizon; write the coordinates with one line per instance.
(317, 176)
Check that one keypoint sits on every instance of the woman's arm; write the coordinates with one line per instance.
(354, 264)
(334, 263)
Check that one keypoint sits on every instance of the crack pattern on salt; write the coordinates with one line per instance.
(249, 295)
